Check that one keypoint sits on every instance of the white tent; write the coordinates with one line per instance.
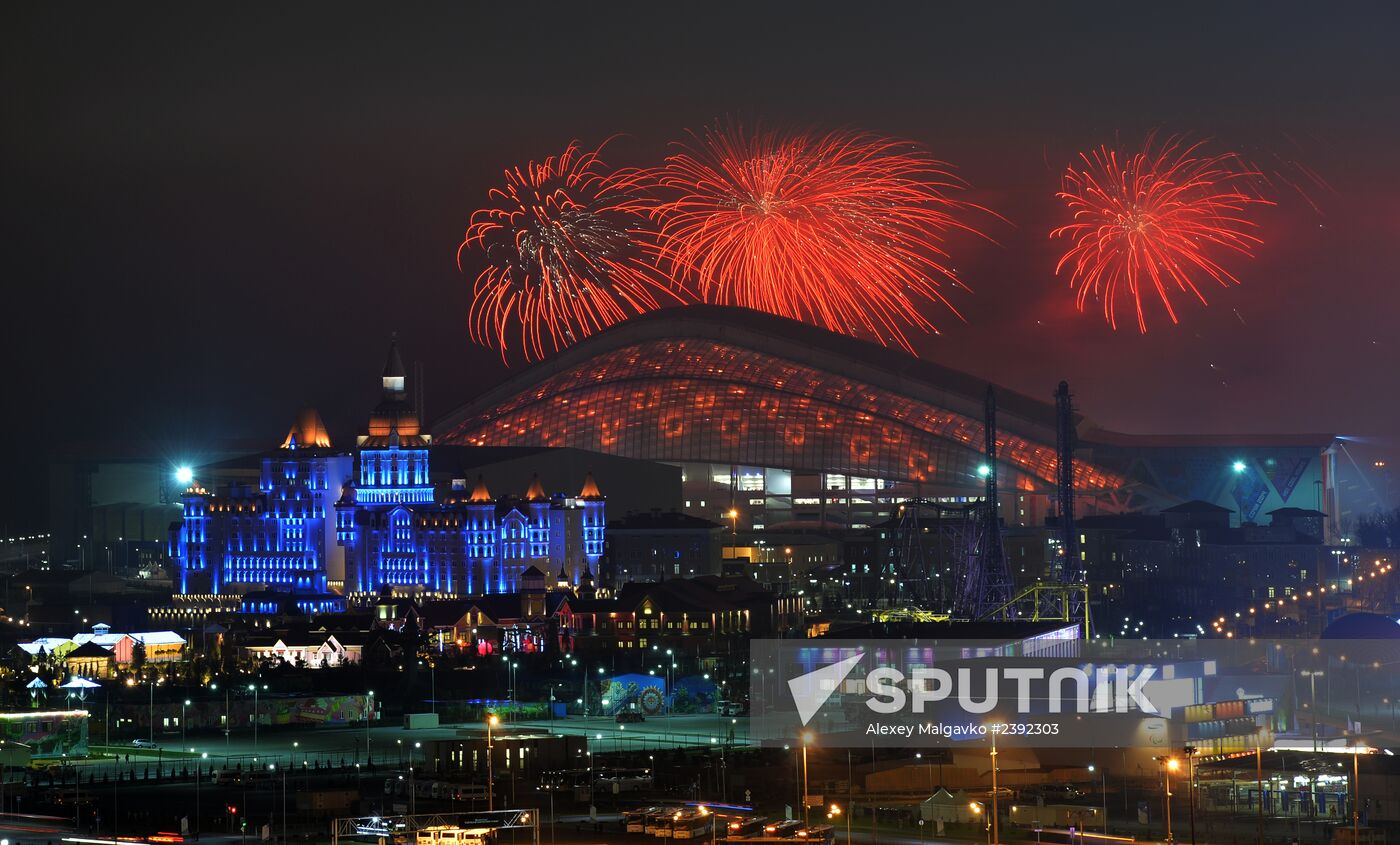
(948, 807)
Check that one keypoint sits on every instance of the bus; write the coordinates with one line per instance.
(635, 821)
(821, 834)
(742, 827)
(691, 824)
(618, 781)
(659, 820)
(444, 834)
(565, 780)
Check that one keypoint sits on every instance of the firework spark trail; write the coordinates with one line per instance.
(562, 257)
(843, 230)
(1149, 222)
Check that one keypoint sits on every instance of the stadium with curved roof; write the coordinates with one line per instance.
(786, 422)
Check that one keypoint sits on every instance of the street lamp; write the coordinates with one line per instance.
(1169, 765)
(834, 812)
(705, 813)
(807, 738)
(978, 808)
(369, 714)
(184, 734)
(996, 813)
(151, 714)
(254, 689)
(198, 777)
(492, 721)
(272, 767)
(1190, 752)
(1103, 792)
(1312, 677)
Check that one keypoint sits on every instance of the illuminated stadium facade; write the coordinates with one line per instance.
(782, 422)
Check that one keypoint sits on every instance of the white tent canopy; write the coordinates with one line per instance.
(953, 807)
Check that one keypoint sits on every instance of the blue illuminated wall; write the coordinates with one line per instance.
(319, 523)
(281, 534)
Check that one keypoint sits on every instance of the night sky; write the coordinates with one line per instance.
(212, 218)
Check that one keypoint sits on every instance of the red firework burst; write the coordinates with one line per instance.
(1154, 220)
(562, 256)
(843, 230)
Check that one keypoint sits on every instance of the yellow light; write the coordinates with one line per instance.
(493, 720)
(1173, 764)
(975, 807)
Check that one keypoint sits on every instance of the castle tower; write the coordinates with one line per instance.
(482, 534)
(594, 521)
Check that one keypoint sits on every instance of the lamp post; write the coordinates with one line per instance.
(996, 831)
(1190, 751)
(511, 666)
(734, 533)
(1103, 793)
(272, 767)
(1169, 765)
(978, 809)
(1259, 788)
(1355, 796)
(184, 734)
(492, 721)
(198, 775)
(369, 714)
(1312, 677)
(254, 688)
(806, 813)
(670, 682)
(432, 679)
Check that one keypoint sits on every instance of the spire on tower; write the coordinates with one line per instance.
(393, 370)
(590, 488)
(480, 494)
(536, 492)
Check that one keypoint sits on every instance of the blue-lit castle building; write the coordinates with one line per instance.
(324, 525)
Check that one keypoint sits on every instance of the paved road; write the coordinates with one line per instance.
(389, 744)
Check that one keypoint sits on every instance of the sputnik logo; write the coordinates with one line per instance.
(811, 691)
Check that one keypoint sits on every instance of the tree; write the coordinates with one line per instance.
(1379, 530)
(138, 657)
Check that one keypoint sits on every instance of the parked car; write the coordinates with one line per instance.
(143, 743)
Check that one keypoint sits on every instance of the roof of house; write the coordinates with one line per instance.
(47, 644)
(1196, 506)
(89, 650)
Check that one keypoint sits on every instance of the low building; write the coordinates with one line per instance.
(658, 545)
(154, 646)
(90, 660)
(707, 615)
(308, 649)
